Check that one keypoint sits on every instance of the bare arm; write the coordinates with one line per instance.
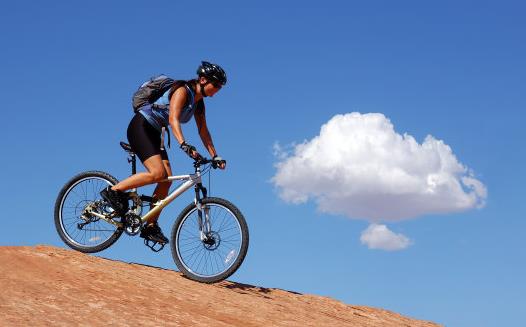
(200, 119)
(177, 102)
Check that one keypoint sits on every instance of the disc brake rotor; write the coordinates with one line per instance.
(212, 241)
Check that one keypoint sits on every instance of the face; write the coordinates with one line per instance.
(210, 88)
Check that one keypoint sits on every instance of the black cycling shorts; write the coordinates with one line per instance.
(144, 139)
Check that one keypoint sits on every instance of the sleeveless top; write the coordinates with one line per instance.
(157, 114)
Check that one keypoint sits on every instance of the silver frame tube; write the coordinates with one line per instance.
(191, 180)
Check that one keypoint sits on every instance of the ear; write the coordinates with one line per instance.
(202, 80)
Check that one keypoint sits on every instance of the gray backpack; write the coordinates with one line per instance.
(151, 90)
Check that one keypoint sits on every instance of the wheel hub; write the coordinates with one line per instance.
(85, 215)
(212, 241)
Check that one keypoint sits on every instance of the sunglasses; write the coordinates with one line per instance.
(217, 85)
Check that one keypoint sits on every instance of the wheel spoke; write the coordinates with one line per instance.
(213, 259)
(82, 193)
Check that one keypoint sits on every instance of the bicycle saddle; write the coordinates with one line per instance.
(126, 147)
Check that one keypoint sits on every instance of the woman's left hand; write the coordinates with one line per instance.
(218, 162)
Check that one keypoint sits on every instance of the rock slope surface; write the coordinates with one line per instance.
(49, 286)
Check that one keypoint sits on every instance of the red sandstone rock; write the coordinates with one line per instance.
(48, 286)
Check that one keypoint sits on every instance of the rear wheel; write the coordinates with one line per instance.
(218, 253)
(80, 230)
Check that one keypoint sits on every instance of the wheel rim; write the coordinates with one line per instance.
(209, 260)
(83, 194)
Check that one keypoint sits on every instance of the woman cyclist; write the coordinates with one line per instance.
(177, 106)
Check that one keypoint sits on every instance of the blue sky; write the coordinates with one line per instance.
(451, 69)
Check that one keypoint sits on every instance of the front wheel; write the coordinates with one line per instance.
(215, 251)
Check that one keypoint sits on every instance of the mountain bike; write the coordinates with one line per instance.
(209, 238)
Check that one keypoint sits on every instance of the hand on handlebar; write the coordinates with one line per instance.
(218, 162)
(190, 150)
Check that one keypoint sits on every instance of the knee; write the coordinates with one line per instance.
(159, 175)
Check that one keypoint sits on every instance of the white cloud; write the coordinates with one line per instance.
(279, 152)
(381, 238)
(358, 166)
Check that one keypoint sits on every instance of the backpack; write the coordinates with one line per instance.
(151, 90)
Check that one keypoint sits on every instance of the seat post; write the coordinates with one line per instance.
(131, 159)
(134, 163)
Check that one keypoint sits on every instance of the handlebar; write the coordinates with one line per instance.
(199, 161)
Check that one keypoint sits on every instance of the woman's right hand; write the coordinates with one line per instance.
(190, 150)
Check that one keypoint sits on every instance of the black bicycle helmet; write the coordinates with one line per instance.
(212, 72)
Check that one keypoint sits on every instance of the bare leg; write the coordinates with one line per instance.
(162, 189)
(156, 173)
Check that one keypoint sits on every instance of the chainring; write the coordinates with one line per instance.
(132, 224)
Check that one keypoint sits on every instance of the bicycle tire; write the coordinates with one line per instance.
(59, 225)
(243, 248)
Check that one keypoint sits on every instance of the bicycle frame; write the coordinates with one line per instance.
(190, 180)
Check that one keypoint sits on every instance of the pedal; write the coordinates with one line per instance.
(152, 247)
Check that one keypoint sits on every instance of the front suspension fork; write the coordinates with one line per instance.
(203, 217)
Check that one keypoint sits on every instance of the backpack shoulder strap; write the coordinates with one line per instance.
(175, 86)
